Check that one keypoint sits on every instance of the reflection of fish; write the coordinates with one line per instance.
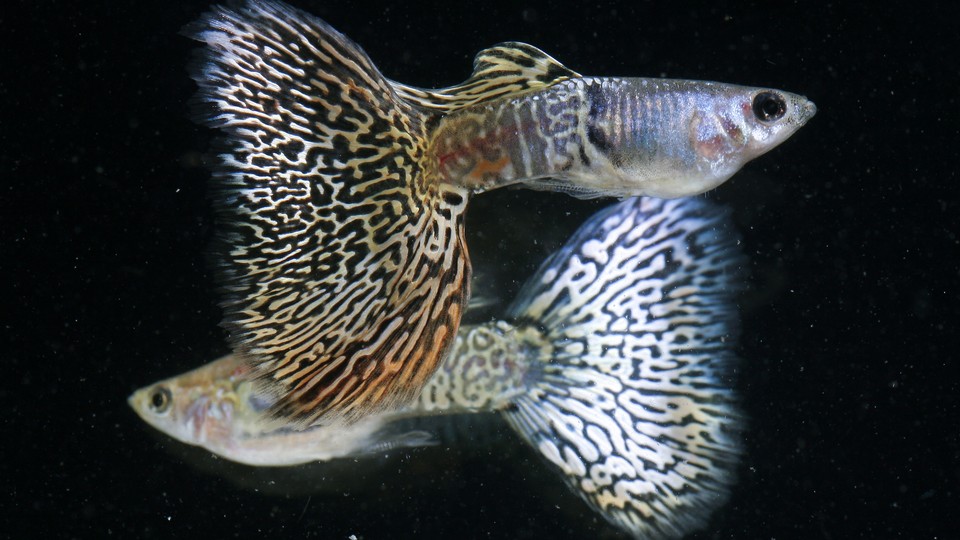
(342, 194)
(612, 363)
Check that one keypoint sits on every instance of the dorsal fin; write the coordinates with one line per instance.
(505, 69)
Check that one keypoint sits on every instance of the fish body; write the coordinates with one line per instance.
(341, 194)
(613, 362)
(605, 136)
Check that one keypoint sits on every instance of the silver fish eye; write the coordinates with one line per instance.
(160, 399)
(769, 106)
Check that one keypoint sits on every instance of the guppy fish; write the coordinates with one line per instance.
(613, 362)
(341, 194)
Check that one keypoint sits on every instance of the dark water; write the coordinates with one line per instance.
(850, 364)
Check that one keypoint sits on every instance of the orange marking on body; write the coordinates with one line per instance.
(498, 137)
(711, 148)
(484, 166)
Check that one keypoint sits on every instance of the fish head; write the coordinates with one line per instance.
(735, 124)
(202, 407)
(756, 120)
(677, 138)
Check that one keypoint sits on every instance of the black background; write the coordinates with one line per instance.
(850, 365)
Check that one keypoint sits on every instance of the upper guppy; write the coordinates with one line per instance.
(341, 194)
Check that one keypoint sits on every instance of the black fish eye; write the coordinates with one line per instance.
(769, 106)
(160, 399)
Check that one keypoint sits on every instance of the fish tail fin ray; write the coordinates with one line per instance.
(633, 323)
(329, 227)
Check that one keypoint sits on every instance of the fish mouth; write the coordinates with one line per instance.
(135, 401)
(132, 400)
(807, 110)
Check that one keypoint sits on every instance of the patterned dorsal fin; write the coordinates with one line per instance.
(506, 69)
(345, 272)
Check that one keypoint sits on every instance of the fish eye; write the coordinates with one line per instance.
(769, 106)
(160, 399)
